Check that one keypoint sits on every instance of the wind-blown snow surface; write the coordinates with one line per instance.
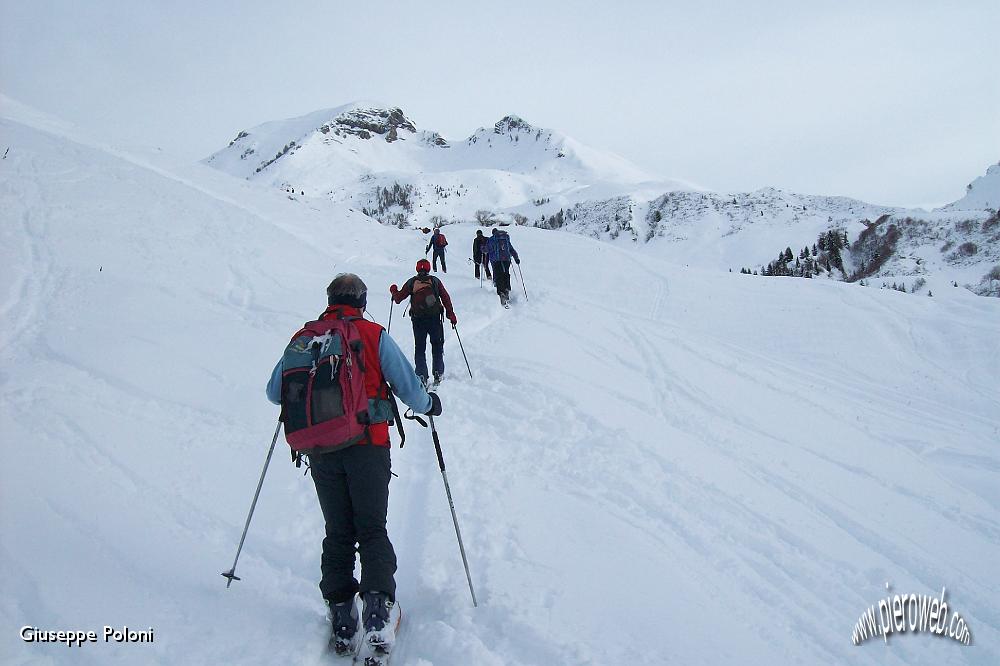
(652, 465)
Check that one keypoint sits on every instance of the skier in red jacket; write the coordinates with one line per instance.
(429, 304)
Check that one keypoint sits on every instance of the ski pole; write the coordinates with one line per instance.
(392, 302)
(451, 503)
(454, 327)
(520, 276)
(231, 574)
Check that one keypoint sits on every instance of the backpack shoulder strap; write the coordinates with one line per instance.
(395, 415)
(436, 285)
(409, 285)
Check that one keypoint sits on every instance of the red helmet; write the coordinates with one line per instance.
(423, 266)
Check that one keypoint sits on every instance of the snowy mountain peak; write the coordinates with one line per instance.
(364, 121)
(510, 124)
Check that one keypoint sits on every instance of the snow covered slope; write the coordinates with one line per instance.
(652, 464)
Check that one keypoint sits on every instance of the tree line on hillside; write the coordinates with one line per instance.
(824, 255)
(386, 198)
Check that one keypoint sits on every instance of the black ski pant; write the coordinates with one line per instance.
(353, 489)
(439, 254)
(501, 276)
(423, 328)
(486, 265)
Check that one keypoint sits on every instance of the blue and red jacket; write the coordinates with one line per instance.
(494, 247)
(434, 243)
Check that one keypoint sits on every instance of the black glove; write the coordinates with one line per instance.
(517, 261)
(435, 409)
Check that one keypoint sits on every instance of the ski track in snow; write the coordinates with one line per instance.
(650, 464)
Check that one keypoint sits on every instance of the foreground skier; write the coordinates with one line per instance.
(333, 384)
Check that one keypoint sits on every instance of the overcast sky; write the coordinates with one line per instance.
(890, 102)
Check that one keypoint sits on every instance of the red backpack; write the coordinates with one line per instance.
(425, 299)
(323, 399)
(440, 240)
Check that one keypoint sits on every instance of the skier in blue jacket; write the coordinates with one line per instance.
(500, 251)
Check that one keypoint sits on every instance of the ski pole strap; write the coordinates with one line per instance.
(413, 417)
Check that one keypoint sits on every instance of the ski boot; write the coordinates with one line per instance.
(380, 619)
(345, 637)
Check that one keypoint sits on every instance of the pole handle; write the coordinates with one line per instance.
(437, 445)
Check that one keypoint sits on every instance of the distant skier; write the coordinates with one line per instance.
(479, 255)
(438, 242)
(500, 251)
(429, 304)
(352, 475)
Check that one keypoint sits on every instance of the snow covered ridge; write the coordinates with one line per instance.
(354, 153)
(371, 158)
(981, 194)
(257, 147)
(958, 244)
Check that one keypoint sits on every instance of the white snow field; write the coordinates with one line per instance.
(651, 465)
